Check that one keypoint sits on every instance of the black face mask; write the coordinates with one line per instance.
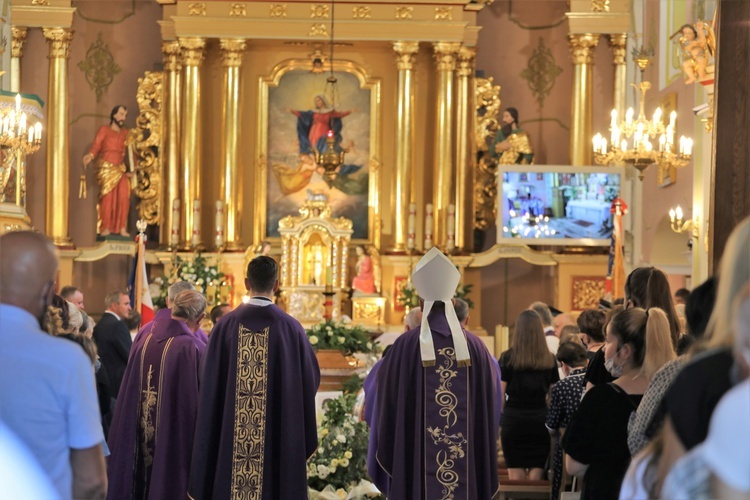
(45, 300)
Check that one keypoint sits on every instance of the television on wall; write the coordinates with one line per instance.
(556, 205)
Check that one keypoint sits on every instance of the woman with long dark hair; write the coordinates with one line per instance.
(528, 370)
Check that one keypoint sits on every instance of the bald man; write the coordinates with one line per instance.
(47, 392)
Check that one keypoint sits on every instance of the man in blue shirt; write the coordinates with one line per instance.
(47, 392)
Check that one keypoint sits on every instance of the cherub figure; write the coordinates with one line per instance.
(693, 44)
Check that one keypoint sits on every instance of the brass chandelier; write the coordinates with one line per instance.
(631, 140)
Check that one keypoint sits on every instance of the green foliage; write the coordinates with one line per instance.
(342, 448)
(353, 384)
(330, 334)
(410, 298)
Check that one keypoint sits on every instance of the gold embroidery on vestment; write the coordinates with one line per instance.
(250, 414)
(447, 402)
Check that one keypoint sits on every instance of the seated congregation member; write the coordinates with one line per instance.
(596, 439)
(719, 467)
(256, 423)
(151, 438)
(564, 400)
(438, 400)
(528, 370)
(708, 375)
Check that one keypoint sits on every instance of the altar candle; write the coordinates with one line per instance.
(411, 227)
(196, 222)
(174, 235)
(329, 276)
(219, 237)
(428, 221)
(450, 229)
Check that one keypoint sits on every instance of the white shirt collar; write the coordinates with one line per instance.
(113, 314)
(260, 301)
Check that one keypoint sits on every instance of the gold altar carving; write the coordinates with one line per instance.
(238, 10)
(314, 253)
(18, 38)
(318, 29)
(599, 5)
(147, 141)
(403, 13)
(487, 102)
(443, 14)
(368, 311)
(361, 12)
(277, 10)
(319, 11)
(197, 9)
(586, 291)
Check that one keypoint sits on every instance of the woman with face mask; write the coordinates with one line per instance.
(638, 343)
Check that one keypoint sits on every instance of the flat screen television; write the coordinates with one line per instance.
(556, 205)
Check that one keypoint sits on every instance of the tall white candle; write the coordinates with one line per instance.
(411, 227)
(196, 222)
(428, 222)
(219, 237)
(174, 233)
(450, 228)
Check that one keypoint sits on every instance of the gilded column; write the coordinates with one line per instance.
(443, 173)
(231, 58)
(581, 49)
(406, 53)
(618, 43)
(58, 154)
(190, 147)
(465, 150)
(171, 156)
(19, 38)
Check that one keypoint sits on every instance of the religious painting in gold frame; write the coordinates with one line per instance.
(667, 175)
(289, 107)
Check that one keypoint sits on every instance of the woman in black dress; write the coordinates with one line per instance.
(528, 370)
(596, 441)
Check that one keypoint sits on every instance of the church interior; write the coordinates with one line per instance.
(547, 147)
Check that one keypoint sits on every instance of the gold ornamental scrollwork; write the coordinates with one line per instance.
(445, 55)
(586, 291)
(277, 10)
(197, 9)
(581, 47)
(443, 14)
(146, 138)
(44, 3)
(361, 12)
(319, 11)
(599, 5)
(404, 12)
(367, 311)
(18, 34)
(540, 72)
(59, 40)
(487, 102)
(238, 10)
(192, 50)
(318, 29)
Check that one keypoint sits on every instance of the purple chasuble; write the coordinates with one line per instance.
(437, 425)
(378, 476)
(256, 419)
(151, 438)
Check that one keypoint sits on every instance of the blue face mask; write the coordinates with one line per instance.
(609, 365)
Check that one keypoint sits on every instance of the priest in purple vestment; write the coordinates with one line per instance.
(166, 313)
(151, 438)
(256, 417)
(438, 400)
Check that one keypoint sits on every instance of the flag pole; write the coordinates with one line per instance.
(141, 225)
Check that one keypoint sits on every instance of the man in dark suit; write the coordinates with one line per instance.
(113, 339)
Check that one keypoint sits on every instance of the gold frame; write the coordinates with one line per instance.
(261, 180)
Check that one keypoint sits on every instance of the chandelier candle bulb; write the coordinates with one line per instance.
(22, 125)
(38, 133)
(671, 215)
(657, 117)
(31, 135)
(662, 142)
(624, 145)
(196, 223)
(629, 116)
(613, 123)
(672, 119)
(678, 213)
(18, 102)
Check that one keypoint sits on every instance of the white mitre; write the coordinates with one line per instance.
(436, 279)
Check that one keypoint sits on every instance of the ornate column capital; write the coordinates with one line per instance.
(406, 54)
(466, 57)
(618, 43)
(445, 55)
(59, 42)
(172, 55)
(19, 37)
(580, 47)
(193, 50)
(231, 51)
